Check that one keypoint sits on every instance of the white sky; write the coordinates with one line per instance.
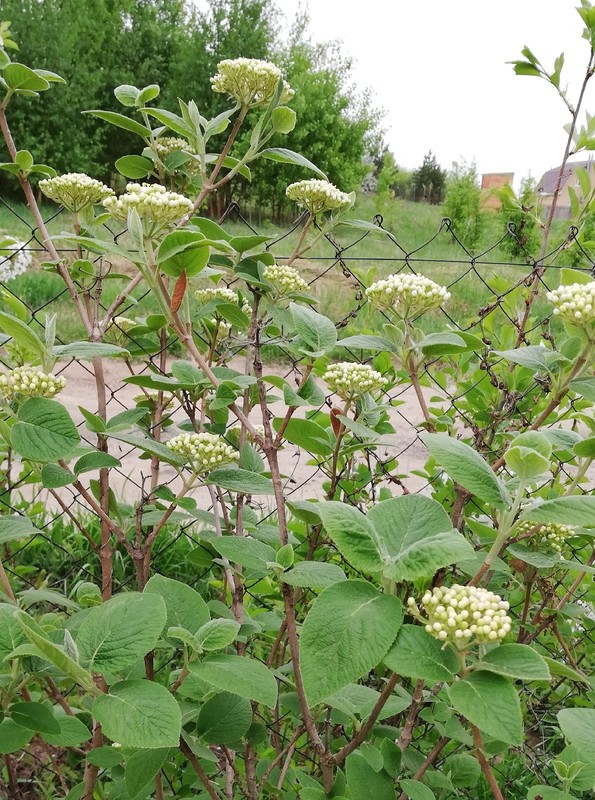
(438, 68)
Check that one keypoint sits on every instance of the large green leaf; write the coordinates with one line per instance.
(570, 510)
(306, 434)
(120, 121)
(577, 725)
(13, 526)
(118, 633)
(185, 607)
(515, 661)
(73, 732)
(45, 431)
(239, 675)
(491, 703)
(417, 654)
(467, 467)
(22, 78)
(183, 251)
(313, 575)
(353, 534)
(417, 535)
(284, 156)
(139, 713)
(142, 767)
(348, 631)
(224, 718)
(150, 446)
(134, 167)
(317, 335)
(365, 782)
(35, 717)
(87, 351)
(11, 633)
(250, 553)
(23, 335)
(13, 736)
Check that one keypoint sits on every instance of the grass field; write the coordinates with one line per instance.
(418, 240)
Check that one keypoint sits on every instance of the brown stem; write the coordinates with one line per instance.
(485, 764)
(431, 757)
(56, 695)
(109, 314)
(292, 409)
(290, 745)
(199, 770)
(361, 735)
(6, 583)
(300, 241)
(411, 721)
(411, 366)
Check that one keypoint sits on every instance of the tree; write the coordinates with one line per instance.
(462, 202)
(429, 180)
(522, 211)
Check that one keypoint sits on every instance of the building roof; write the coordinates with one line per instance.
(547, 184)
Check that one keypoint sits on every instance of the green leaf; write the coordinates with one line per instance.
(240, 675)
(13, 736)
(526, 464)
(364, 342)
(45, 431)
(584, 387)
(126, 95)
(217, 634)
(541, 792)
(184, 606)
(241, 481)
(464, 770)
(72, 733)
(313, 575)
(416, 790)
(139, 713)
(95, 460)
(365, 782)
(35, 717)
(347, 632)
(52, 653)
(417, 654)
(243, 243)
(171, 121)
(118, 633)
(105, 757)
(585, 448)
(12, 527)
(307, 435)
(120, 121)
(283, 119)
(183, 251)
(245, 550)
(150, 446)
(515, 661)
(491, 703)
(417, 536)
(577, 725)
(467, 467)
(142, 767)
(11, 633)
(224, 718)
(535, 357)
(559, 668)
(283, 156)
(572, 510)
(22, 334)
(317, 335)
(87, 351)
(442, 344)
(53, 476)
(18, 76)
(353, 534)
(134, 166)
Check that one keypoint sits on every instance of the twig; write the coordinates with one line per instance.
(199, 770)
(485, 764)
(411, 721)
(431, 757)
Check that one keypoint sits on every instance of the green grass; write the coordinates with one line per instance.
(418, 241)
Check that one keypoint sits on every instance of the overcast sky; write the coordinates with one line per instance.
(439, 69)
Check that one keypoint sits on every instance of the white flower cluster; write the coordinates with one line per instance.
(551, 536)
(125, 323)
(351, 380)
(317, 195)
(14, 260)
(221, 293)
(75, 190)
(250, 81)
(154, 204)
(460, 614)
(30, 382)
(165, 145)
(574, 303)
(407, 295)
(285, 280)
(204, 451)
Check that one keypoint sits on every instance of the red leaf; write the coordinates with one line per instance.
(336, 423)
(179, 292)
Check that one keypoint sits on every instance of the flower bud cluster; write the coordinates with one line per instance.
(30, 382)
(407, 295)
(317, 196)
(285, 280)
(552, 536)
(125, 323)
(165, 145)
(574, 303)
(75, 190)
(154, 204)
(221, 293)
(351, 380)
(463, 614)
(250, 81)
(14, 260)
(204, 451)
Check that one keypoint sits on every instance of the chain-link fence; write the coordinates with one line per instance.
(485, 289)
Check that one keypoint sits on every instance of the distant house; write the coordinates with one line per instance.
(547, 186)
(493, 180)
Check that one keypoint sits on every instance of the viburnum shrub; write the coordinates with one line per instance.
(367, 642)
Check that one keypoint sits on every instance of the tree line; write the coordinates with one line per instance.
(97, 45)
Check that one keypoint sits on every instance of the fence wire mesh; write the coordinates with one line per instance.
(483, 300)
